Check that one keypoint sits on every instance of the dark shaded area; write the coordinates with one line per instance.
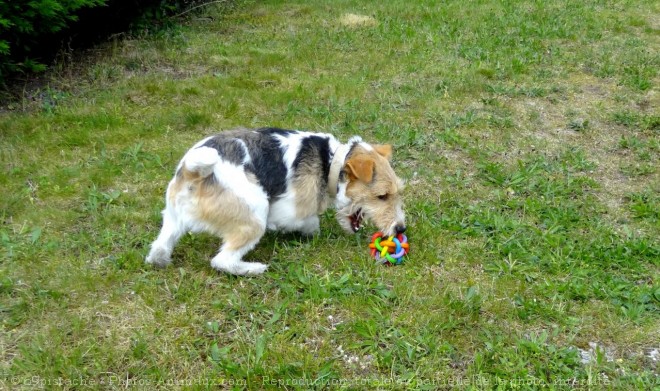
(93, 25)
(96, 24)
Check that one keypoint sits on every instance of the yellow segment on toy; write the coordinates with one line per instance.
(384, 251)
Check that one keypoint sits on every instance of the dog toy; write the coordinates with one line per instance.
(389, 251)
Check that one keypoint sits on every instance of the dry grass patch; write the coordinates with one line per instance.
(581, 117)
(355, 20)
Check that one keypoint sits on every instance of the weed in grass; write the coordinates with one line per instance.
(638, 169)
(578, 124)
(636, 120)
(645, 205)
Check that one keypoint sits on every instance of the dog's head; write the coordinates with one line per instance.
(372, 191)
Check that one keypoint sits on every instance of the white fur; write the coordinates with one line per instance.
(176, 222)
(341, 200)
(230, 261)
(233, 177)
(246, 159)
(291, 146)
(282, 213)
(201, 160)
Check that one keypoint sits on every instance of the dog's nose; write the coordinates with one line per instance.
(400, 229)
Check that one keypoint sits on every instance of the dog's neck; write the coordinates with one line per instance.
(337, 165)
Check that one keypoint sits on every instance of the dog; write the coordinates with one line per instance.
(241, 182)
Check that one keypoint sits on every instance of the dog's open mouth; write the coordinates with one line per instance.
(356, 220)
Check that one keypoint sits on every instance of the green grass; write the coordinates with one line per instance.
(527, 133)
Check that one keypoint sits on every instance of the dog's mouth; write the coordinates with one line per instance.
(356, 220)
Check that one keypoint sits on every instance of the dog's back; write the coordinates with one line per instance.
(281, 160)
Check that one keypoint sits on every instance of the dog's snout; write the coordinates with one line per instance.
(400, 229)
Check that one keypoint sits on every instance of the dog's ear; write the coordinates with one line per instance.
(384, 150)
(360, 167)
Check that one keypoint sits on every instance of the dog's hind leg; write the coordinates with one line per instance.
(175, 224)
(161, 249)
(237, 242)
(236, 209)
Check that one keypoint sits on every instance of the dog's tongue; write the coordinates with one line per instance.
(356, 220)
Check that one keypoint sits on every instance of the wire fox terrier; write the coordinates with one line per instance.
(239, 183)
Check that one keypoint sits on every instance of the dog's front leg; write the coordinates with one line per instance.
(310, 226)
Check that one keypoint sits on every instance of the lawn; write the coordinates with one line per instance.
(526, 132)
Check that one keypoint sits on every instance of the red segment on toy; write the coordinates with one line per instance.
(389, 251)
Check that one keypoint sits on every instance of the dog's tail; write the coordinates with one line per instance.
(201, 161)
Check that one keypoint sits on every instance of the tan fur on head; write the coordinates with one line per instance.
(374, 187)
(384, 150)
(360, 167)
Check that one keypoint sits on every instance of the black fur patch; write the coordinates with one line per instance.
(267, 160)
(266, 157)
(314, 153)
(229, 148)
(277, 131)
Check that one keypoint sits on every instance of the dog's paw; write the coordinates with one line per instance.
(311, 226)
(238, 268)
(158, 257)
(308, 233)
(255, 268)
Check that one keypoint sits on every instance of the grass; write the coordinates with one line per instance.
(527, 133)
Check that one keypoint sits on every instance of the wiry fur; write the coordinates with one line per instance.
(239, 183)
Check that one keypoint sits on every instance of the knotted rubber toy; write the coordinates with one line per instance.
(389, 251)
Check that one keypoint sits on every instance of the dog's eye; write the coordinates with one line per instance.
(382, 197)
